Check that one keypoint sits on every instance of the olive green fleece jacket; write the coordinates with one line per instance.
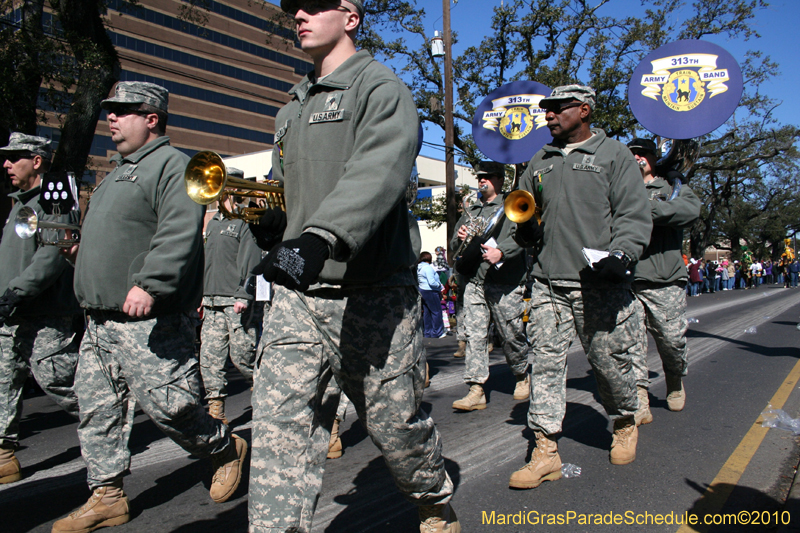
(344, 151)
(662, 261)
(513, 269)
(591, 198)
(231, 253)
(142, 229)
(38, 274)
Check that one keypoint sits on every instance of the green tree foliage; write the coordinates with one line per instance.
(59, 59)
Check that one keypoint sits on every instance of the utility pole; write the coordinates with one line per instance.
(450, 166)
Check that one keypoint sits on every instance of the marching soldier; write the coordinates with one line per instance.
(660, 282)
(592, 198)
(229, 324)
(139, 274)
(37, 307)
(346, 304)
(495, 276)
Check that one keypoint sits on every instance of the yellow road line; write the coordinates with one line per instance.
(720, 489)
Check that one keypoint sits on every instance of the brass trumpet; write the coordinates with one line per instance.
(27, 225)
(207, 181)
(519, 206)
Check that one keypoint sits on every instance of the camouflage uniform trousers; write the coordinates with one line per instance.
(608, 327)
(48, 346)
(504, 305)
(224, 334)
(370, 341)
(663, 307)
(151, 362)
(461, 330)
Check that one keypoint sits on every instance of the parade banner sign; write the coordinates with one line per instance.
(509, 125)
(685, 89)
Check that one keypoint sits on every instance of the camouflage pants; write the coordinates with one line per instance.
(370, 341)
(341, 411)
(608, 327)
(225, 335)
(151, 362)
(503, 305)
(461, 330)
(48, 346)
(664, 310)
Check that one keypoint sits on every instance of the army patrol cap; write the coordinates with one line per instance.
(490, 168)
(138, 92)
(645, 145)
(291, 6)
(581, 93)
(20, 142)
(234, 172)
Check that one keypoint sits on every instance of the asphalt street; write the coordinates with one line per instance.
(711, 459)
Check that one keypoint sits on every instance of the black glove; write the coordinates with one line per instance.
(470, 260)
(270, 228)
(672, 174)
(530, 231)
(295, 263)
(8, 302)
(611, 269)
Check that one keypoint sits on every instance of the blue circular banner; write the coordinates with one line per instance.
(685, 89)
(509, 125)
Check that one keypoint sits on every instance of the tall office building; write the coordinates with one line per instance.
(227, 78)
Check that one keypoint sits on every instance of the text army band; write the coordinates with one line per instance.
(345, 316)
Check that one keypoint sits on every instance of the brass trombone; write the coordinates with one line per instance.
(207, 181)
(27, 225)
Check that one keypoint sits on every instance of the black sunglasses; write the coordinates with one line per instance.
(312, 7)
(558, 108)
(13, 157)
(121, 111)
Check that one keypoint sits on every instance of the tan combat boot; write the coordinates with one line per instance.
(427, 375)
(462, 350)
(676, 394)
(623, 444)
(9, 466)
(107, 507)
(216, 408)
(438, 519)
(335, 444)
(522, 389)
(475, 399)
(228, 469)
(643, 415)
(545, 465)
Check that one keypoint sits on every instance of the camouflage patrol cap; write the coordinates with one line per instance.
(581, 93)
(490, 168)
(234, 172)
(20, 142)
(291, 6)
(139, 92)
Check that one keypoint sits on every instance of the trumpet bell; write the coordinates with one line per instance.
(26, 222)
(206, 180)
(27, 225)
(205, 177)
(520, 206)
